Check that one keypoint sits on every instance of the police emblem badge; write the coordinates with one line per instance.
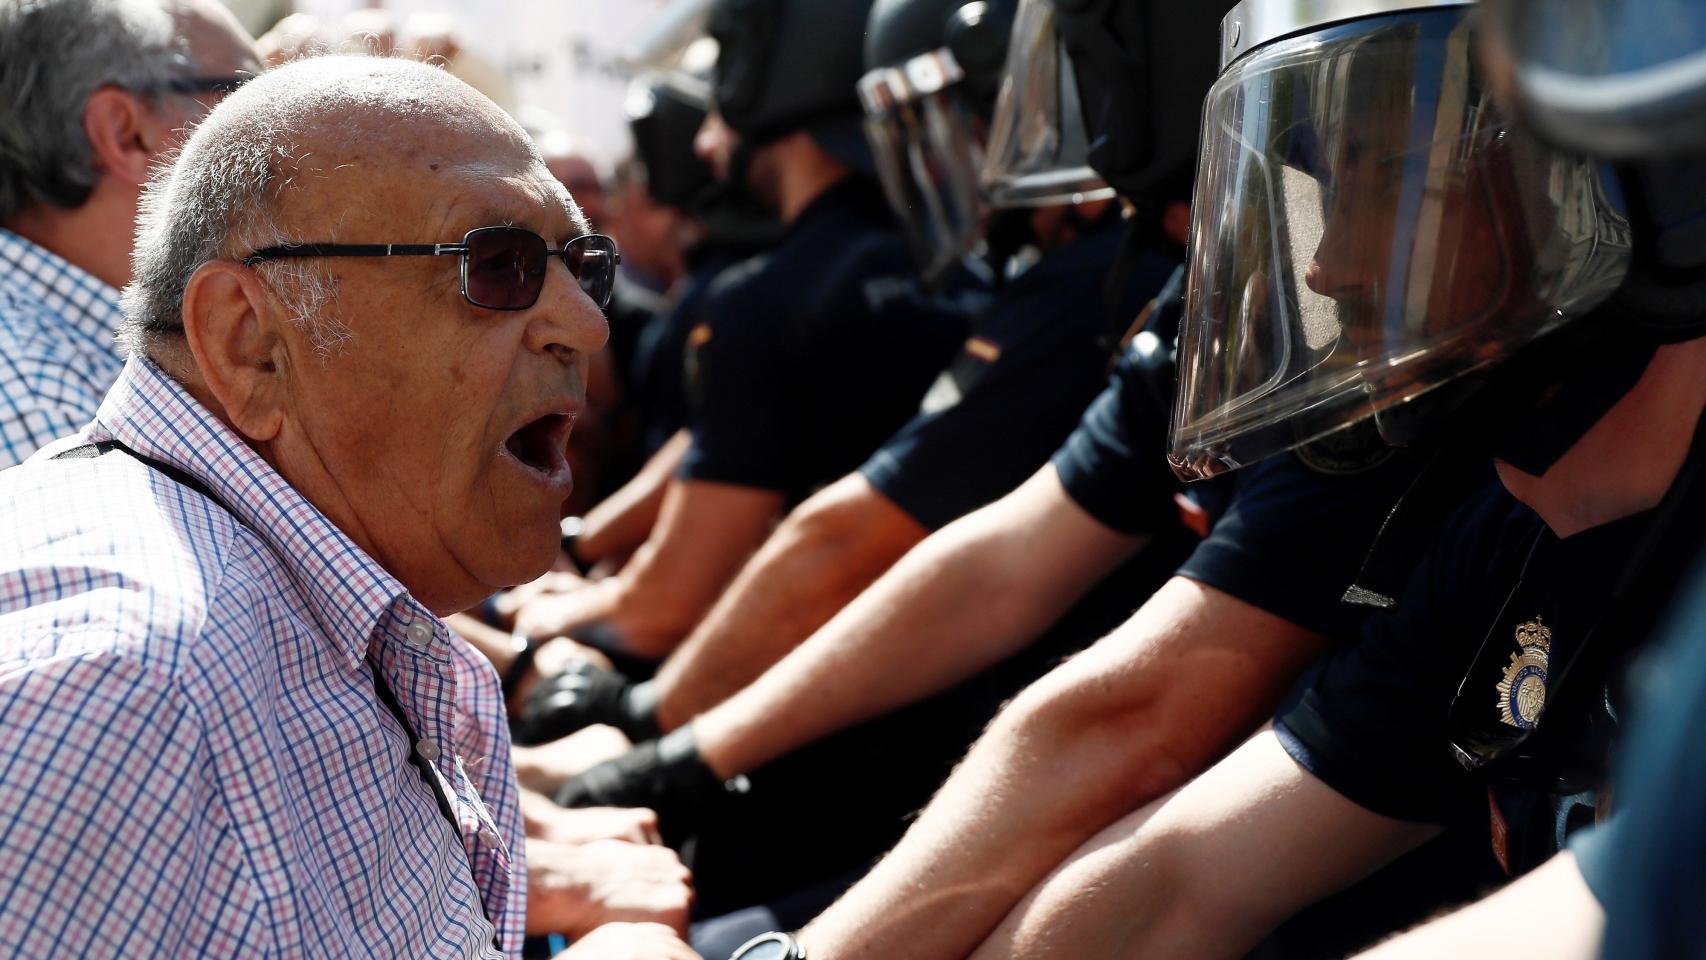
(1522, 692)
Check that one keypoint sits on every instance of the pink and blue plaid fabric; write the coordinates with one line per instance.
(193, 758)
(57, 355)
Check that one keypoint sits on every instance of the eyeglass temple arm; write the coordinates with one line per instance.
(355, 250)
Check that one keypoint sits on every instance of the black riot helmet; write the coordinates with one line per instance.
(973, 32)
(1143, 69)
(664, 116)
(1624, 81)
(1371, 226)
(787, 65)
(933, 67)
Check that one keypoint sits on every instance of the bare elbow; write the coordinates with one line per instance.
(849, 528)
(1124, 730)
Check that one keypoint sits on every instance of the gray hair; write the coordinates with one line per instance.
(53, 55)
(222, 197)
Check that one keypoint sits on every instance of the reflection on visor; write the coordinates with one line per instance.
(1618, 78)
(1038, 150)
(1367, 227)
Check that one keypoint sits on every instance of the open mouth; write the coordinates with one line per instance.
(541, 446)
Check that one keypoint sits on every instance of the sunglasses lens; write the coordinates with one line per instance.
(592, 259)
(506, 268)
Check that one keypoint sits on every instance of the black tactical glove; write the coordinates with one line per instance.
(665, 775)
(582, 695)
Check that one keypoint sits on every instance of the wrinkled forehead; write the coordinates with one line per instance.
(420, 183)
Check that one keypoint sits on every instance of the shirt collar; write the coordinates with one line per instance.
(348, 591)
(85, 304)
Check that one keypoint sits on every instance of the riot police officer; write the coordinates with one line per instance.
(1061, 761)
(1381, 238)
(1579, 80)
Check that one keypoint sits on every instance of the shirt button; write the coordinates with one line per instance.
(427, 750)
(418, 633)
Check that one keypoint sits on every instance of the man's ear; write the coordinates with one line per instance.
(124, 134)
(231, 328)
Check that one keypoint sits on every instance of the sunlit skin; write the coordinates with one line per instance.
(1469, 262)
(398, 435)
(1456, 239)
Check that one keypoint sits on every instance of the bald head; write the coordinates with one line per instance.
(307, 153)
(426, 422)
(359, 99)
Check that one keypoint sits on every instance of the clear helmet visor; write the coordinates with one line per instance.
(1617, 77)
(1368, 227)
(927, 143)
(1038, 148)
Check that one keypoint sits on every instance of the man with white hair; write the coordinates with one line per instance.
(231, 720)
(96, 92)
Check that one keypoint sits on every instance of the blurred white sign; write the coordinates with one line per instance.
(561, 56)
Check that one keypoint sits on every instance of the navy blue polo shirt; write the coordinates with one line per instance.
(814, 353)
(660, 350)
(1114, 464)
(1017, 387)
(1294, 535)
(1375, 720)
(1287, 535)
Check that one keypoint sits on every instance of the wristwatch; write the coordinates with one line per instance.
(770, 946)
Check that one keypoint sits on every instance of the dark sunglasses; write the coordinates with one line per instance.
(503, 268)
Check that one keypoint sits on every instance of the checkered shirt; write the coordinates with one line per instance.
(57, 355)
(193, 758)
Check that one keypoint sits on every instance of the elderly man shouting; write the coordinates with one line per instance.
(231, 721)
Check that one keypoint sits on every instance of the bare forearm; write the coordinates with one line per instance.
(957, 871)
(644, 610)
(948, 609)
(962, 866)
(1208, 871)
(705, 532)
(1503, 925)
(1126, 721)
(826, 553)
(625, 518)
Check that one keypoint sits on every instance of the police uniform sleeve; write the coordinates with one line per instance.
(1114, 464)
(1293, 538)
(1371, 719)
(739, 416)
(948, 462)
